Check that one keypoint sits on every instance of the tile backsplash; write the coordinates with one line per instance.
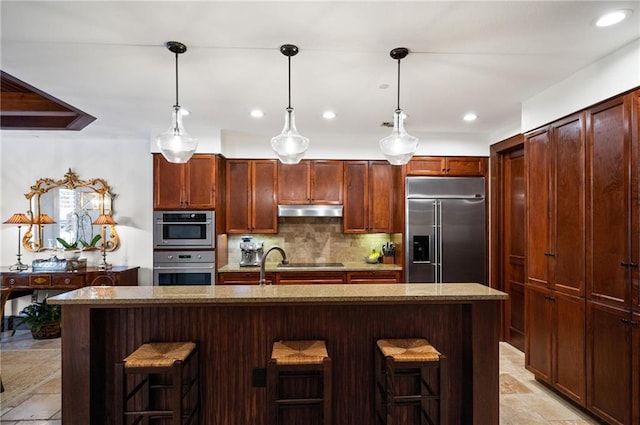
(314, 240)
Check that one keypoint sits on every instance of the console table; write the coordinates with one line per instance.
(68, 280)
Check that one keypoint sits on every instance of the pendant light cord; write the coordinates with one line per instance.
(177, 104)
(398, 108)
(289, 107)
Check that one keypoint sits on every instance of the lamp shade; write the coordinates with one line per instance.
(290, 145)
(104, 220)
(18, 218)
(43, 219)
(176, 144)
(399, 146)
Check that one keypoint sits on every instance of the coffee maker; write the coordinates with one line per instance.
(251, 251)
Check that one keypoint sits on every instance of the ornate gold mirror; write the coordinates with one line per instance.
(67, 209)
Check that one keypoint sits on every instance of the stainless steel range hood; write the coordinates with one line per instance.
(309, 210)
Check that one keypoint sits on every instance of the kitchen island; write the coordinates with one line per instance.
(236, 326)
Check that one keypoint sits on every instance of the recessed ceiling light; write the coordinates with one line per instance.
(257, 113)
(470, 117)
(612, 18)
(328, 115)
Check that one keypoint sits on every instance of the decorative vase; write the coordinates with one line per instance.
(47, 331)
(71, 254)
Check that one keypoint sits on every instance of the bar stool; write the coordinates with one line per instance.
(299, 377)
(410, 373)
(159, 381)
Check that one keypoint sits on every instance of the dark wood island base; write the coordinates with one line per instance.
(236, 327)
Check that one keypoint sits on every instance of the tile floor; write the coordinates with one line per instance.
(36, 401)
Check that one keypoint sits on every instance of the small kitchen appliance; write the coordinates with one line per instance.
(251, 251)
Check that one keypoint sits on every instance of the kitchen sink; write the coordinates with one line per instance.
(311, 265)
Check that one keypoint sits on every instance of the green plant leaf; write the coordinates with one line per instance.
(95, 240)
(66, 244)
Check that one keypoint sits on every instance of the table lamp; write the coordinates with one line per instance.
(18, 219)
(104, 220)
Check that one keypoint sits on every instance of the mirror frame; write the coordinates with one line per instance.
(33, 242)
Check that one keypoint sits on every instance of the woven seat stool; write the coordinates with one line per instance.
(299, 383)
(411, 383)
(158, 383)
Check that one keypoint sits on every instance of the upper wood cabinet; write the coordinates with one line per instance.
(310, 182)
(369, 188)
(613, 254)
(447, 166)
(251, 205)
(190, 185)
(556, 205)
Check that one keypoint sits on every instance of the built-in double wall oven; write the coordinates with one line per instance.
(184, 248)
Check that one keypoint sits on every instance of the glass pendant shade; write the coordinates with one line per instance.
(399, 146)
(290, 145)
(176, 144)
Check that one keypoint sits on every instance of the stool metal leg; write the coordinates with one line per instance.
(176, 383)
(326, 386)
(119, 382)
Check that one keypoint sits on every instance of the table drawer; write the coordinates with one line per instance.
(15, 281)
(67, 281)
(40, 281)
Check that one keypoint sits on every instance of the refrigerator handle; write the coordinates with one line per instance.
(439, 242)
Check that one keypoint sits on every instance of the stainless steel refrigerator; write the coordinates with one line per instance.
(445, 219)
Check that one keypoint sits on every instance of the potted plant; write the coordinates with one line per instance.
(43, 319)
(71, 250)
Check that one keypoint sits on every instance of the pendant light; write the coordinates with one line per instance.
(289, 145)
(176, 144)
(399, 146)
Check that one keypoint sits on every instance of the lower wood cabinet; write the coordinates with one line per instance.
(377, 276)
(555, 340)
(242, 278)
(611, 392)
(305, 278)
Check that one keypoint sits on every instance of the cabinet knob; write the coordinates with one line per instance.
(12, 281)
(624, 264)
(633, 265)
(625, 321)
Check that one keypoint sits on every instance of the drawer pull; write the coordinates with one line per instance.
(12, 281)
(67, 281)
(39, 280)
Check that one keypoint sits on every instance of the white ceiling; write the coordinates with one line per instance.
(109, 59)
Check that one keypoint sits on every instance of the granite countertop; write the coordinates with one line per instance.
(280, 294)
(348, 266)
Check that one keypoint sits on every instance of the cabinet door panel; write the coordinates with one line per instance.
(538, 332)
(466, 166)
(326, 182)
(609, 146)
(569, 346)
(238, 196)
(380, 197)
(168, 183)
(427, 166)
(264, 203)
(568, 260)
(609, 357)
(293, 183)
(200, 182)
(356, 182)
(304, 278)
(538, 163)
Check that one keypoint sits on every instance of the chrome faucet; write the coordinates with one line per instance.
(264, 259)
